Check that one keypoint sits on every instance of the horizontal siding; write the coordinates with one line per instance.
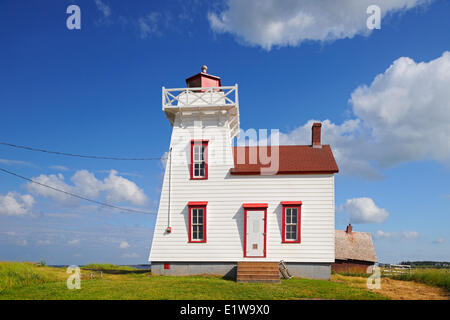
(226, 194)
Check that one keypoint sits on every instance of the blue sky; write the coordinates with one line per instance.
(98, 91)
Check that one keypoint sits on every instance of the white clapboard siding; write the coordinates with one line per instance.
(227, 193)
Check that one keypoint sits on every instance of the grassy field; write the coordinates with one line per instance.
(18, 274)
(27, 281)
(434, 277)
(106, 267)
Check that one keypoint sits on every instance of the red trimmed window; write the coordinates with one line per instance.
(291, 221)
(197, 221)
(199, 159)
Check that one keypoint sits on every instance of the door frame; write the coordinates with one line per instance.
(255, 207)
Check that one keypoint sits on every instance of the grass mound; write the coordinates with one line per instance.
(19, 274)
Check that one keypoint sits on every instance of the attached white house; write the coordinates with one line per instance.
(222, 205)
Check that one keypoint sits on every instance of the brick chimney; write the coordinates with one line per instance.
(349, 229)
(316, 128)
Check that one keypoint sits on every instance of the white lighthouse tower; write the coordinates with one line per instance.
(205, 119)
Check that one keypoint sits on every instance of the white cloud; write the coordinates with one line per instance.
(363, 210)
(103, 7)
(122, 173)
(56, 181)
(16, 162)
(396, 235)
(124, 245)
(439, 241)
(113, 188)
(120, 189)
(269, 23)
(87, 184)
(73, 242)
(407, 109)
(402, 116)
(60, 168)
(148, 25)
(15, 204)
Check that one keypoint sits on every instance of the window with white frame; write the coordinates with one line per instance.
(199, 164)
(197, 224)
(291, 224)
(291, 221)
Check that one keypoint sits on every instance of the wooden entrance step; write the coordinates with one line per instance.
(258, 272)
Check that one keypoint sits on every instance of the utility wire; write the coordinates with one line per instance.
(75, 195)
(78, 155)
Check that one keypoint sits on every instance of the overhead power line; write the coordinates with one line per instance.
(78, 155)
(75, 195)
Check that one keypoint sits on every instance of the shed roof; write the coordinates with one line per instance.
(292, 160)
(354, 246)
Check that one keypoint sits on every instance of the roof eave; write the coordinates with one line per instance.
(257, 173)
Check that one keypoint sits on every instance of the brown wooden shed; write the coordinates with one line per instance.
(354, 251)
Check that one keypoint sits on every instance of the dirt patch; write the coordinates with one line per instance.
(409, 290)
(399, 290)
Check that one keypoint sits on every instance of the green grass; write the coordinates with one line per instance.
(18, 274)
(435, 277)
(138, 285)
(107, 267)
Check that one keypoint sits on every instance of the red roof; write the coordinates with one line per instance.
(203, 80)
(292, 160)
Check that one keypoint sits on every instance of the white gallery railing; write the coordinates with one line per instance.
(194, 97)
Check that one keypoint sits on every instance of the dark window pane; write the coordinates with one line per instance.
(294, 215)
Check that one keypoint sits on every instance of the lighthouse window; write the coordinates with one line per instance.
(197, 221)
(197, 224)
(199, 156)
